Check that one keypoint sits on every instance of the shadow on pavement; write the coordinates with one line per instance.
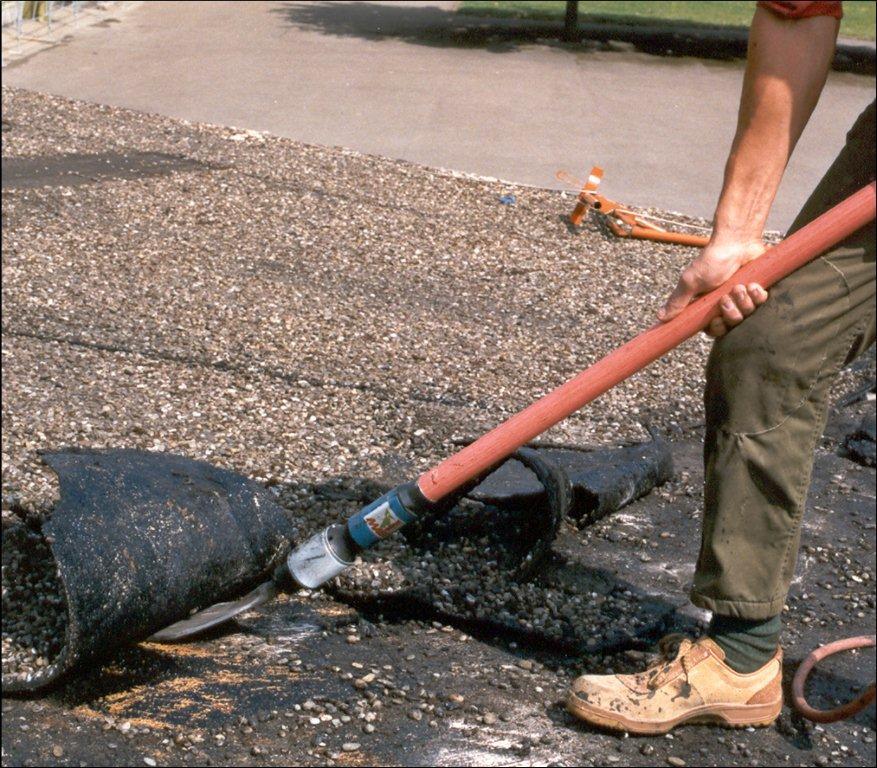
(429, 25)
(433, 26)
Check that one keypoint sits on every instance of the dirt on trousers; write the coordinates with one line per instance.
(232, 310)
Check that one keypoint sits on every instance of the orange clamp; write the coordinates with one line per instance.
(621, 220)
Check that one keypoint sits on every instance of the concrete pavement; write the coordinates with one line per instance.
(405, 81)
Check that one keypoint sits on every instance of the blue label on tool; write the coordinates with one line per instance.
(378, 520)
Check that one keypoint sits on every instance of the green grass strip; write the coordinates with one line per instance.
(859, 15)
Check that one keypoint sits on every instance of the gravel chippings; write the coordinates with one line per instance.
(294, 311)
(464, 568)
(34, 608)
(330, 324)
(300, 314)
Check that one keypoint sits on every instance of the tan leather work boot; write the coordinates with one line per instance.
(692, 685)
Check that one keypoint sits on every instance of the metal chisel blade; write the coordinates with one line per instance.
(216, 614)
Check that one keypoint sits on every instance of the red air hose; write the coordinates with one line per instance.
(845, 710)
(796, 250)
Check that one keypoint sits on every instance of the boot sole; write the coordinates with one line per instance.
(729, 716)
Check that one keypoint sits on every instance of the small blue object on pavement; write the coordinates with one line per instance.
(507, 199)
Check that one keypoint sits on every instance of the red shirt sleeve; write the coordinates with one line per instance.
(804, 9)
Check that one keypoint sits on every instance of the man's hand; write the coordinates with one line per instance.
(786, 67)
(716, 263)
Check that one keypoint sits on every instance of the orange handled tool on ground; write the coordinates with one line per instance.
(622, 221)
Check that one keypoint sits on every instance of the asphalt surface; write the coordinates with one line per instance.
(412, 81)
(328, 323)
(313, 681)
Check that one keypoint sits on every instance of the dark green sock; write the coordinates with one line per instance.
(748, 645)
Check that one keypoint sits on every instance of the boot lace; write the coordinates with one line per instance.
(673, 650)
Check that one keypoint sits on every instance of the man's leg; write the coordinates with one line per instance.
(766, 403)
(767, 400)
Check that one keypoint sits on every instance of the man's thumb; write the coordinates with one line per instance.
(679, 299)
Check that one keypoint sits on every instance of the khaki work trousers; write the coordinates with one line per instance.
(767, 402)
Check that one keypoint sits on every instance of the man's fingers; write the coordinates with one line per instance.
(743, 300)
(757, 294)
(716, 328)
(736, 307)
(739, 304)
(731, 313)
(681, 297)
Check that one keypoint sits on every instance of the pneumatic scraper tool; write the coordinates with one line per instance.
(329, 552)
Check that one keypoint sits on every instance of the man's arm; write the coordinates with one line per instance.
(787, 65)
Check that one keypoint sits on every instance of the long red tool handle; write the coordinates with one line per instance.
(781, 260)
